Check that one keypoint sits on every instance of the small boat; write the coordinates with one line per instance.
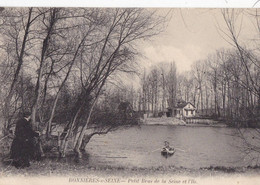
(167, 151)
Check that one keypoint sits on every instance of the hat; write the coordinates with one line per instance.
(26, 114)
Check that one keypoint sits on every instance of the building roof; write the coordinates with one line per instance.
(183, 104)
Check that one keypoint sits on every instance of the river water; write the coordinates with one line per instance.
(197, 147)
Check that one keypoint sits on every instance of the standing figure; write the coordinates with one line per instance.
(22, 148)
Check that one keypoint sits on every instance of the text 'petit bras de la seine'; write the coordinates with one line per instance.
(168, 181)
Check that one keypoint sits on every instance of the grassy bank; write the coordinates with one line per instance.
(189, 122)
(163, 121)
(48, 167)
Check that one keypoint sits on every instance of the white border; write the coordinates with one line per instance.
(134, 3)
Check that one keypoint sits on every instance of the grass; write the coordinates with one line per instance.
(55, 167)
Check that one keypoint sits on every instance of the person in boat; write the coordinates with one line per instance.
(167, 145)
(22, 148)
(167, 148)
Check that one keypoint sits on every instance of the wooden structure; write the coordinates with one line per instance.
(182, 110)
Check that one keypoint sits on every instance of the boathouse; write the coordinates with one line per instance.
(183, 109)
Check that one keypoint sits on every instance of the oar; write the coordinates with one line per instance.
(155, 150)
(180, 149)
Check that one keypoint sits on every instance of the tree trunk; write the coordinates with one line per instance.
(64, 141)
(258, 108)
(82, 132)
(48, 131)
(37, 97)
(85, 141)
(46, 84)
(45, 45)
(201, 100)
(224, 100)
(19, 66)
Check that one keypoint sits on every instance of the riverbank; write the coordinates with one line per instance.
(163, 121)
(60, 168)
(175, 121)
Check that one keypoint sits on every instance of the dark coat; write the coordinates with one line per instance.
(23, 143)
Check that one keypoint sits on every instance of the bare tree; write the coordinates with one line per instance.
(45, 45)
(17, 30)
(124, 28)
(171, 85)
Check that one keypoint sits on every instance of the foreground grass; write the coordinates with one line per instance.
(62, 168)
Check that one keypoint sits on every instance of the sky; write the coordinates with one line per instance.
(192, 34)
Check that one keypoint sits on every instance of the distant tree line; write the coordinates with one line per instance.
(221, 86)
(225, 85)
(158, 89)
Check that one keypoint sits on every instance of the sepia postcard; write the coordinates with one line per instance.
(130, 93)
